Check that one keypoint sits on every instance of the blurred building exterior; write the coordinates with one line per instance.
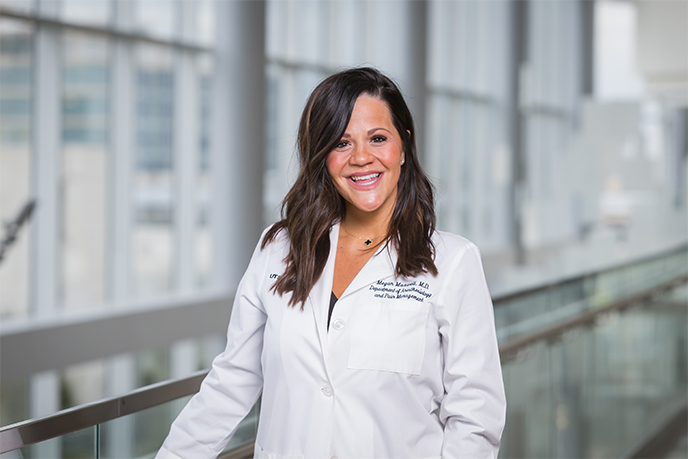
(157, 138)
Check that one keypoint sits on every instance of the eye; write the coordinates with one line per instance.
(378, 138)
(343, 144)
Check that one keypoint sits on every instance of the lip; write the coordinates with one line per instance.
(368, 184)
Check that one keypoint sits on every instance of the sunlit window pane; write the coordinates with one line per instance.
(85, 76)
(92, 12)
(16, 98)
(467, 72)
(153, 184)
(156, 17)
(205, 21)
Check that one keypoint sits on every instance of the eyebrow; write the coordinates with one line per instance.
(370, 131)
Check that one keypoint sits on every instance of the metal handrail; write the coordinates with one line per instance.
(505, 298)
(510, 349)
(32, 431)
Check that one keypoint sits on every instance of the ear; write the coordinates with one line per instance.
(403, 154)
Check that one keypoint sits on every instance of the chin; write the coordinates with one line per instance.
(367, 207)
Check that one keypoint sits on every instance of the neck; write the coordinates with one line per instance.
(366, 224)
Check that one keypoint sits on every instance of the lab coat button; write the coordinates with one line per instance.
(327, 390)
(338, 324)
(334, 457)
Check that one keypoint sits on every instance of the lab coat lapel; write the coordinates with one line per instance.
(319, 297)
(380, 266)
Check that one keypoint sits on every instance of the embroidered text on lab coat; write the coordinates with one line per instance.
(413, 290)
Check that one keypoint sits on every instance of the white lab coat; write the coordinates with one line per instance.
(408, 369)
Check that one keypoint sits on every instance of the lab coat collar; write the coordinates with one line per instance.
(380, 266)
(319, 296)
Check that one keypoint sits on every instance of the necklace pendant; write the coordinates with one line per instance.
(367, 242)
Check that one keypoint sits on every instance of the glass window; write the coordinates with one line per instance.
(468, 111)
(16, 99)
(91, 12)
(153, 184)
(205, 21)
(551, 112)
(85, 177)
(157, 17)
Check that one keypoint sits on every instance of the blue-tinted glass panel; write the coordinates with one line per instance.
(153, 249)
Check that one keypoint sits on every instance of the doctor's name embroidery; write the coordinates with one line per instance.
(390, 290)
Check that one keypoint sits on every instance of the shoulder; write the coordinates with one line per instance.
(455, 254)
(449, 246)
(277, 238)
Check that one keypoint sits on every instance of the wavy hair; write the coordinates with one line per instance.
(313, 205)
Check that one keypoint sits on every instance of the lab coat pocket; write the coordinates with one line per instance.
(389, 336)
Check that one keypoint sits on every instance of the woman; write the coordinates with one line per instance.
(369, 333)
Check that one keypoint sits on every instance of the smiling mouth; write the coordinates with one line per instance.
(365, 179)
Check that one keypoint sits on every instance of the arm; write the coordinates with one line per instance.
(474, 406)
(235, 381)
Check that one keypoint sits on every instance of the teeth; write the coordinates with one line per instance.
(362, 178)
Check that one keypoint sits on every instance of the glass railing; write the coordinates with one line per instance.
(599, 391)
(590, 365)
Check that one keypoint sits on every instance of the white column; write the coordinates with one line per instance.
(238, 125)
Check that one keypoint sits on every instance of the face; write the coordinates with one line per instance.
(366, 164)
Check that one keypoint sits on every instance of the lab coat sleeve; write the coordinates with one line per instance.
(474, 406)
(234, 382)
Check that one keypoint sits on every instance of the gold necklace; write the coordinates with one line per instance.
(367, 241)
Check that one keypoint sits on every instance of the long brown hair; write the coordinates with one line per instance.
(313, 204)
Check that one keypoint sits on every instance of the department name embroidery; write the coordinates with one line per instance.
(415, 290)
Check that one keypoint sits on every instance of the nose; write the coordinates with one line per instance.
(361, 155)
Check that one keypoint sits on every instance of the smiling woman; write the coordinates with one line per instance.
(365, 166)
(375, 341)
(355, 123)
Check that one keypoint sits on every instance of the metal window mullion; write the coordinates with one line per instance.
(46, 170)
(122, 147)
(186, 154)
(186, 150)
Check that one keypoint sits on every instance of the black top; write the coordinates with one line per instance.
(333, 300)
